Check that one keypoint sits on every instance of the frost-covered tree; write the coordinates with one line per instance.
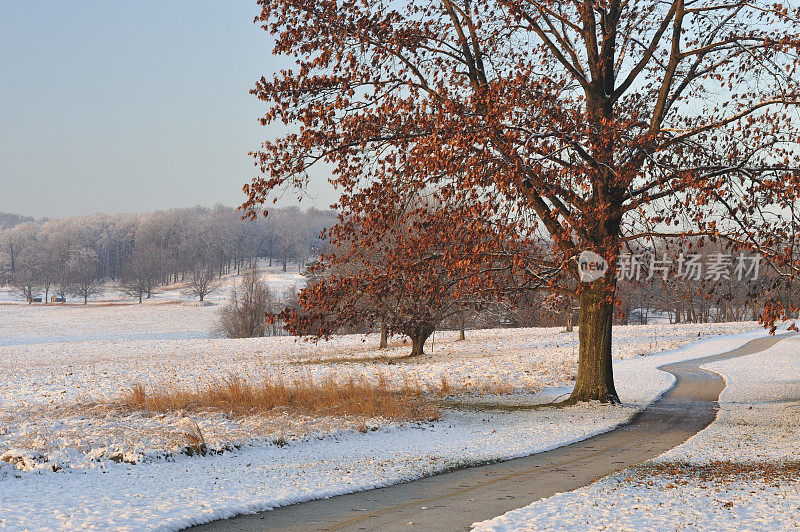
(140, 273)
(245, 314)
(27, 276)
(83, 274)
(202, 281)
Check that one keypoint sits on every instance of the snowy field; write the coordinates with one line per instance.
(68, 461)
(742, 472)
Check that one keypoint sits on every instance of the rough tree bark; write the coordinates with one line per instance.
(419, 335)
(595, 380)
(384, 336)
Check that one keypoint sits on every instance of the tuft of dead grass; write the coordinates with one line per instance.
(195, 439)
(445, 388)
(352, 396)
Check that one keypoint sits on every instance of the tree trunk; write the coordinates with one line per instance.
(384, 336)
(418, 338)
(595, 373)
(417, 344)
(85, 298)
(140, 297)
(569, 320)
(461, 325)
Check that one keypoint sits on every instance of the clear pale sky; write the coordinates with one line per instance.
(130, 106)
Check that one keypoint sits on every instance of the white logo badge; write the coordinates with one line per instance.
(591, 266)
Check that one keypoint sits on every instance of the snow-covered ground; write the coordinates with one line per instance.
(55, 388)
(68, 461)
(742, 472)
(110, 293)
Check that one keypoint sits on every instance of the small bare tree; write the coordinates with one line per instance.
(26, 277)
(83, 273)
(245, 314)
(139, 274)
(202, 281)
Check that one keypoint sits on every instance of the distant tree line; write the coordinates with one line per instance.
(142, 252)
(8, 220)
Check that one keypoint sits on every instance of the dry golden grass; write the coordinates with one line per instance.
(333, 397)
(446, 388)
(485, 388)
(351, 359)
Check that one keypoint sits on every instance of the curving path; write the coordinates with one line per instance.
(455, 500)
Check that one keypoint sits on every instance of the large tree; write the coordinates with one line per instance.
(593, 123)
